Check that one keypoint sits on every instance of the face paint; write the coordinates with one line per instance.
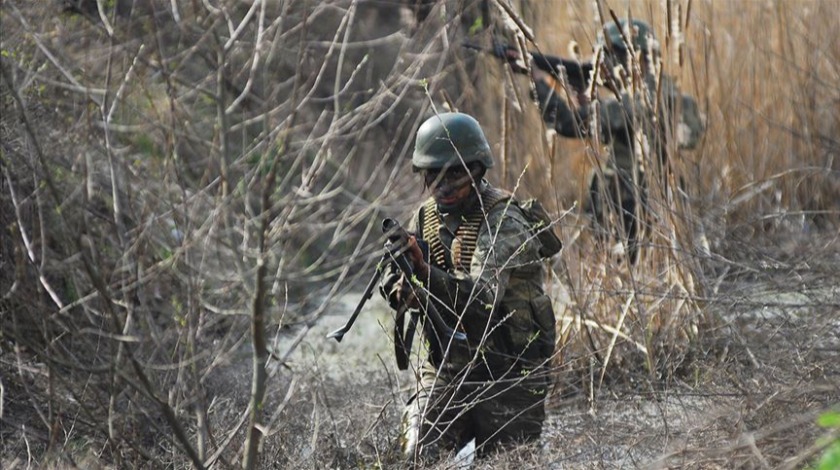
(450, 187)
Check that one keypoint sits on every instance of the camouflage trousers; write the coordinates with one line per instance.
(617, 194)
(445, 413)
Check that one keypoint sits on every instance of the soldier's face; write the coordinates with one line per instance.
(449, 187)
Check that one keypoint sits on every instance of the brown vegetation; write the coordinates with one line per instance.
(188, 189)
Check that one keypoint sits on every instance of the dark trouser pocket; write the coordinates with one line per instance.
(543, 315)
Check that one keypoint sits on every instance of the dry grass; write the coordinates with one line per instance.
(766, 77)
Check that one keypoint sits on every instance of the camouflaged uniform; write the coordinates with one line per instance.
(635, 138)
(487, 276)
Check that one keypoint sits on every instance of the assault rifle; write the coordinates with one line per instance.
(577, 73)
(397, 238)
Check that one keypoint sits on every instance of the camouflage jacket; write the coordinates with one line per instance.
(498, 299)
(634, 134)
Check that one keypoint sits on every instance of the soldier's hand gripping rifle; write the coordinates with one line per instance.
(577, 73)
(394, 253)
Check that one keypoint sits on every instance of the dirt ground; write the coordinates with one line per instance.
(767, 371)
(757, 383)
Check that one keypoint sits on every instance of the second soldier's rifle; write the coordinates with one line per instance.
(577, 74)
(394, 254)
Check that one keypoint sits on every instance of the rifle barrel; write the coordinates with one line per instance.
(399, 237)
(577, 73)
(339, 333)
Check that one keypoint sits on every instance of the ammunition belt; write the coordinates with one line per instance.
(466, 237)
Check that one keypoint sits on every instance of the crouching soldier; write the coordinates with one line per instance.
(483, 272)
(644, 120)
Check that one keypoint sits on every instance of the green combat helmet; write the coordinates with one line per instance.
(449, 139)
(640, 35)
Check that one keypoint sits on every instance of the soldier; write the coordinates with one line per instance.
(636, 138)
(484, 273)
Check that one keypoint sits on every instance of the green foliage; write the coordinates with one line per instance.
(830, 419)
(164, 252)
(178, 316)
(477, 26)
(830, 459)
(145, 145)
(263, 163)
(70, 292)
